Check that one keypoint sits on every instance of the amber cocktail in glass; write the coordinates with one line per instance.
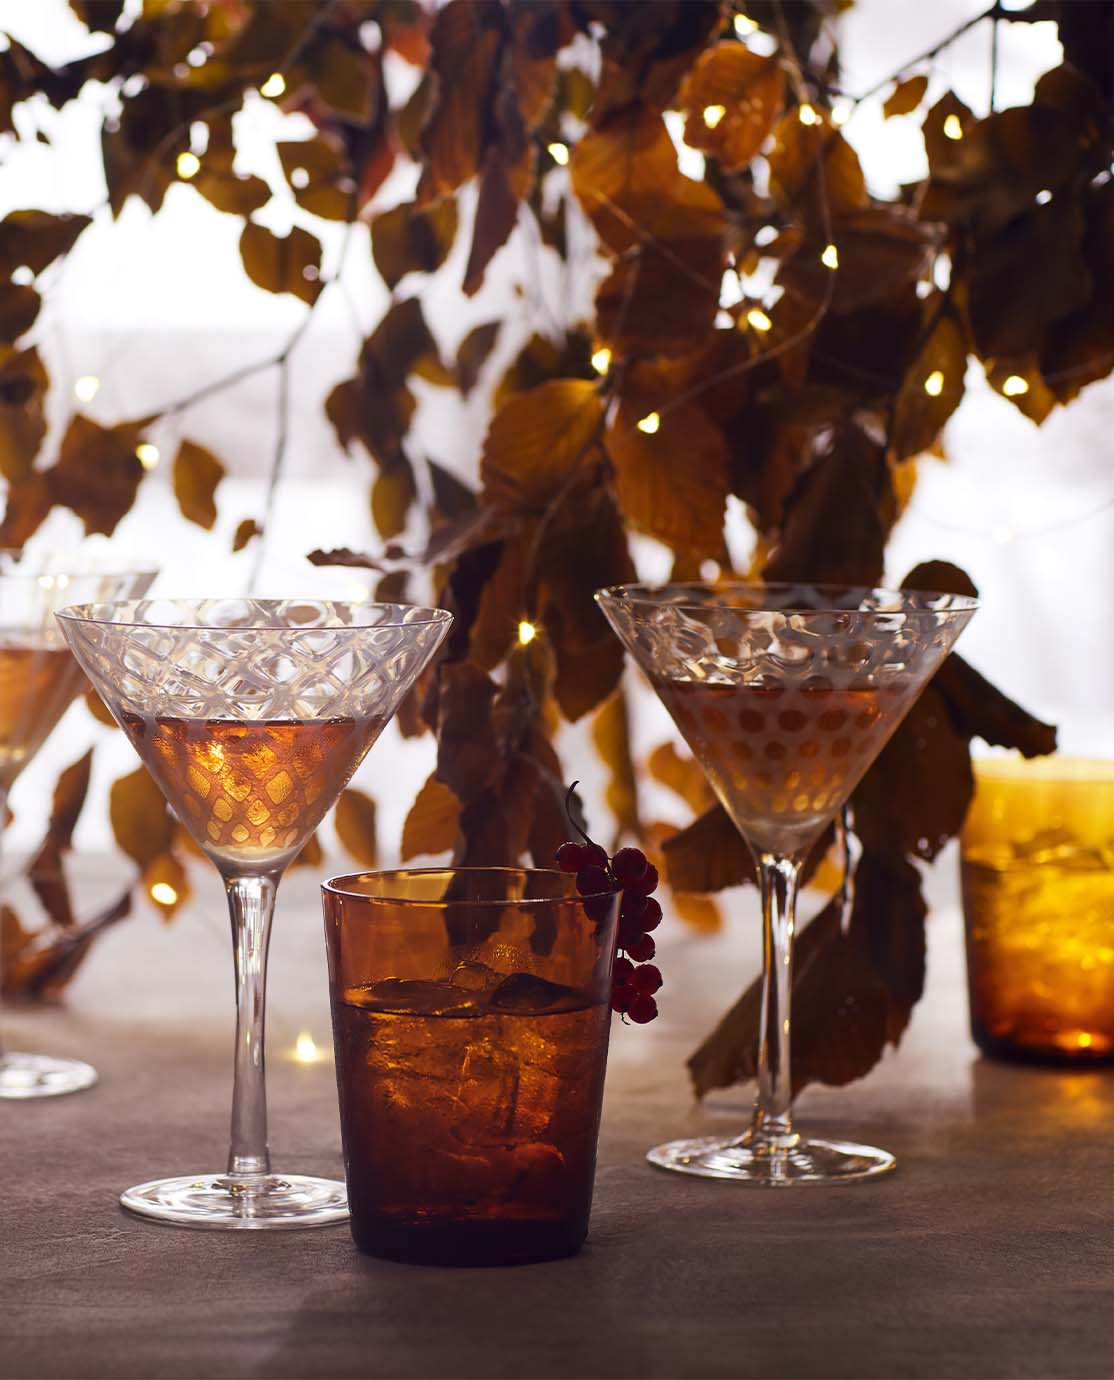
(470, 1022)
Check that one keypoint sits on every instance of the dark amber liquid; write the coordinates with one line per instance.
(469, 1130)
(37, 684)
(251, 793)
(782, 759)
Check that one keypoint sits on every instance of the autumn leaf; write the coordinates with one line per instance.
(346, 77)
(708, 854)
(320, 175)
(538, 440)
(97, 474)
(413, 239)
(612, 740)
(99, 710)
(355, 825)
(683, 775)
(245, 532)
(392, 493)
(933, 388)
(23, 384)
(141, 823)
(465, 40)
(743, 95)
(197, 472)
(468, 755)
(236, 193)
(812, 167)
(432, 824)
(906, 96)
(34, 239)
(282, 264)
(472, 354)
(46, 870)
(19, 306)
(879, 252)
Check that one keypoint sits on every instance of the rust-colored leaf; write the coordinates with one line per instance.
(433, 822)
(141, 823)
(413, 239)
(813, 165)
(932, 390)
(23, 384)
(743, 95)
(906, 96)
(282, 264)
(468, 754)
(979, 710)
(611, 739)
(392, 493)
(97, 474)
(34, 239)
(245, 531)
(465, 39)
(708, 854)
(683, 776)
(99, 710)
(355, 825)
(473, 352)
(197, 472)
(538, 440)
(320, 175)
(312, 854)
(19, 306)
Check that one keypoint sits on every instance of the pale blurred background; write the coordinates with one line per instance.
(154, 308)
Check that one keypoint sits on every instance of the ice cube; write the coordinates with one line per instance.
(526, 994)
(418, 997)
(475, 977)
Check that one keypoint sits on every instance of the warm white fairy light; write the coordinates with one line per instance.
(601, 360)
(526, 633)
(147, 455)
(274, 86)
(830, 257)
(1043, 197)
(758, 319)
(559, 153)
(649, 424)
(807, 114)
(163, 894)
(841, 112)
(952, 128)
(934, 384)
(744, 25)
(305, 1049)
(1014, 386)
(87, 387)
(188, 165)
(713, 114)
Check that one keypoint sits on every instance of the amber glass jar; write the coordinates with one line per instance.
(1038, 900)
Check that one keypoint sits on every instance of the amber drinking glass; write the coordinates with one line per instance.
(470, 1023)
(1038, 899)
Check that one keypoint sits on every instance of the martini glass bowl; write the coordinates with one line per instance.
(38, 682)
(252, 715)
(786, 694)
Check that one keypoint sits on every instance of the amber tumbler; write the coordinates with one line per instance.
(470, 1022)
(1038, 898)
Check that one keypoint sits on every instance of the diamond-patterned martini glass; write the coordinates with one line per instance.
(38, 682)
(251, 715)
(786, 695)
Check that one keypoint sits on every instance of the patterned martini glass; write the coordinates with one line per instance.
(38, 682)
(786, 695)
(251, 715)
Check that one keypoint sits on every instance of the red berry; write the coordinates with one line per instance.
(647, 882)
(595, 856)
(630, 932)
(591, 880)
(633, 908)
(622, 997)
(570, 857)
(646, 978)
(642, 949)
(629, 865)
(621, 971)
(651, 916)
(642, 1009)
(598, 908)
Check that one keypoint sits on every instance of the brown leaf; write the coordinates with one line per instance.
(701, 913)
(538, 440)
(320, 175)
(346, 77)
(238, 194)
(473, 352)
(34, 239)
(906, 96)
(940, 577)
(312, 854)
(141, 823)
(1077, 349)
(197, 472)
(282, 264)
(611, 739)
(932, 390)
(683, 776)
(46, 873)
(751, 90)
(466, 39)
(879, 251)
(246, 530)
(23, 385)
(661, 298)
(979, 710)
(97, 474)
(708, 854)
(355, 826)
(502, 604)
(413, 239)
(99, 710)
(433, 822)
(541, 359)
(392, 493)
(467, 754)
(19, 306)
(672, 482)
(887, 917)
(811, 165)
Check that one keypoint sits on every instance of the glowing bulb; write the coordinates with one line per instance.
(164, 894)
(830, 257)
(650, 423)
(274, 86)
(807, 114)
(1014, 386)
(713, 114)
(189, 165)
(744, 25)
(601, 360)
(952, 128)
(87, 387)
(1083, 1040)
(559, 153)
(305, 1049)
(934, 384)
(147, 455)
(1042, 198)
(757, 318)
(526, 633)
(841, 112)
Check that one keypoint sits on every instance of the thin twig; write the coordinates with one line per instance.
(994, 26)
(278, 460)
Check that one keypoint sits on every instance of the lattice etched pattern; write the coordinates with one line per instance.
(253, 714)
(785, 693)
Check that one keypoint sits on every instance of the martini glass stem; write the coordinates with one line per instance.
(778, 878)
(251, 903)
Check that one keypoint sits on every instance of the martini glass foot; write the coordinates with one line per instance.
(252, 1203)
(751, 1160)
(38, 1075)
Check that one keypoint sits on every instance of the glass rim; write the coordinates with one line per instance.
(335, 886)
(77, 572)
(650, 596)
(76, 613)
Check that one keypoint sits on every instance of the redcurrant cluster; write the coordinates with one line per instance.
(634, 978)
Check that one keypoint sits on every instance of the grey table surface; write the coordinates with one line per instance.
(989, 1252)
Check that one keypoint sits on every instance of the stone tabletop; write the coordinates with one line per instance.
(989, 1253)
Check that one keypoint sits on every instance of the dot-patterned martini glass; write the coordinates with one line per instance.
(38, 682)
(786, 695)
(251, 714)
